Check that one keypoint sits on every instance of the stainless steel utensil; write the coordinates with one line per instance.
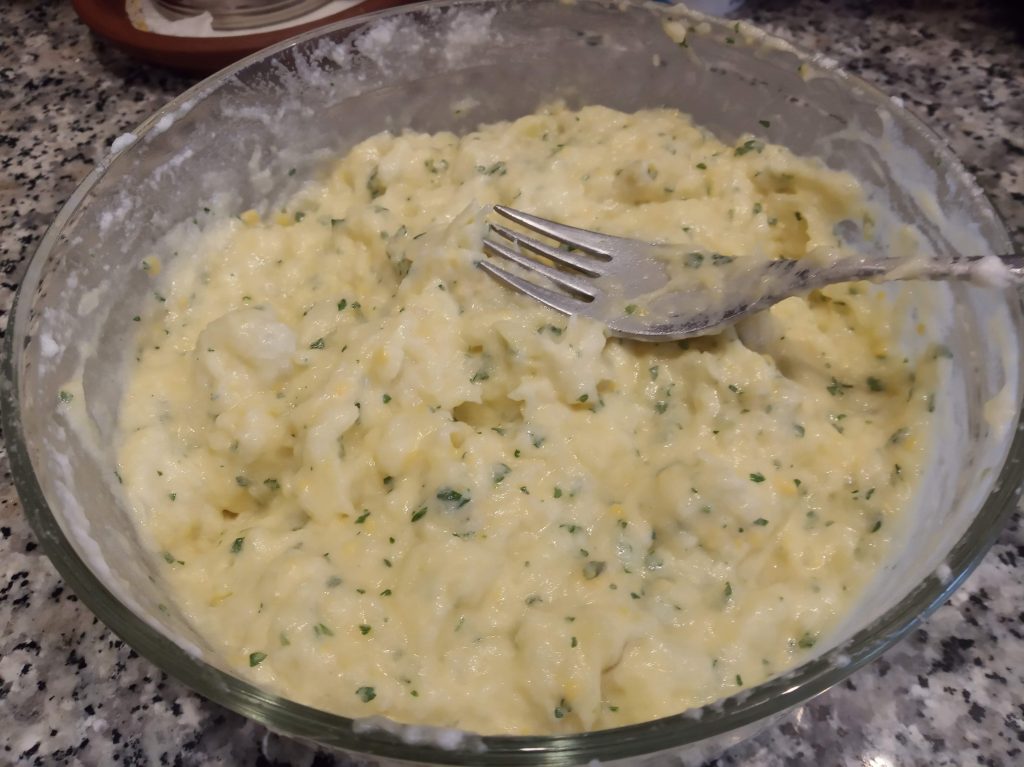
(628, 284)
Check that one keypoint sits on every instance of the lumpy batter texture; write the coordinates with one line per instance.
(381, 483)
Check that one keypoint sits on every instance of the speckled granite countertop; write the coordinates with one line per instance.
(72, 693)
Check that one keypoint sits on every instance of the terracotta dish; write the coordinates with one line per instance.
(108, 19)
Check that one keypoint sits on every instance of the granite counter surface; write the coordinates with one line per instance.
(72, 693)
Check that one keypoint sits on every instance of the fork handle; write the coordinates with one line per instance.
(997, 271)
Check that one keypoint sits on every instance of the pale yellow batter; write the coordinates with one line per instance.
(384, 484)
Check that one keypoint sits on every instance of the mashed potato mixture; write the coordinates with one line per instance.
(382, 483)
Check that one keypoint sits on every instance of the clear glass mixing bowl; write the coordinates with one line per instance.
(250, 134)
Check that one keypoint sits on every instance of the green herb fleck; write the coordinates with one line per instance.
(362, 517)
(757, 477)
(242, 481)
(453, 497)
(256, 658)
(807, 641)
(562, 709)
(694, 260)
(386, 398)
(272, 483)
(374, 185)
(558, 492)
(322, 631)
(364, 629)
(498, 168)
(631, 308)
(500, 472)
(753, 145)
(761, 522)
(65, 396)
(899, 435)
(366, 694)
(592, 569)
(837, 388)
(875, 384)
(418, 514)
(236, 545)
(799, 429)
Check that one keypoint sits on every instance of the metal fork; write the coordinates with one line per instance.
(654, 292)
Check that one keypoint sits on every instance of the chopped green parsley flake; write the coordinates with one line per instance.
(837, 388)
(807, 641)
(237, 544)
(453, 497)
(753, 145)
(256, 658)
(322, 631)
(366, 694)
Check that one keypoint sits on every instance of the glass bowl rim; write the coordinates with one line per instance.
(751, 705)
